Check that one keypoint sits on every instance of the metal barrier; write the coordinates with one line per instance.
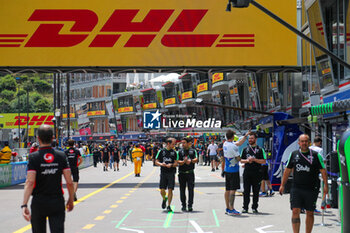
(16, 172)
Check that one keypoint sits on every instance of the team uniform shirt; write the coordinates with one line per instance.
(48, 165)
(212, 149)
(115, 152)
(255, 152)
(318, 150)
(105, 151)
(230, 154)
(167, 156)
(306, 169)
(73, 155)
(183, 154)
(96, 152)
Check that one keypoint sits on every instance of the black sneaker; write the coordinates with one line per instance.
(213, 170)
(164, 202)
(183, 209)
(104, 169)
(244, 211)
(169, 209)
(255, 211)
(75, 197)
(114, 169)
(190, 209)
(217, 168)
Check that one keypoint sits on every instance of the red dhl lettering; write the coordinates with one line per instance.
(143, 33)
(35, 120)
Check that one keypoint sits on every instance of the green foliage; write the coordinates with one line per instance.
(8, 83)
(28, 86)
(21, 92)
(43, 105)
(7, 95)
(35, 96)
(42, 86)
(22, 104)
(5, 106)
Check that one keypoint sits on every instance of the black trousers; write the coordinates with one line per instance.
(186, 179)
(95, 157)
(48, 206)
(251, 180)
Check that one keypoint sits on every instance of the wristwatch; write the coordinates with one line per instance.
(22, 206)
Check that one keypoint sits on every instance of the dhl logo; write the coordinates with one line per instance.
(32, 121)
(179, 34)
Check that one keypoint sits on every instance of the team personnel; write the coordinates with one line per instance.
(45, 169)
(5, 154)
(306, 165)
(116, 157)
(187, 158)
(253, 156)
(212, 151)
(230, 170)
(74, 159)
(96, 153)
(167, 159)
(137, 155)
(105, 157)
(265, 181)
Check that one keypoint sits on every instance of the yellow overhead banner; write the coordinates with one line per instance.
(71, 115)
(187, 95)
(125, 109)
(144, 33)
(202, 87)
(169, 101)
(12, 120)
(96, 113)
(150, 106)
(217, 77)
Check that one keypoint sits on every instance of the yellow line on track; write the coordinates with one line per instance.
(29, 226)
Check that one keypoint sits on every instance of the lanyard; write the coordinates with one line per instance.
(254, 150)
(309, 160)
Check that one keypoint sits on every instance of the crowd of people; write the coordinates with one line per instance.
(46, 165)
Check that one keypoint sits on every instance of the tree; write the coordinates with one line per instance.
(22, 104)
(8, 83)
(43, 105)
(5, 106)
(35, 96)
(28, 86)
(42, 86)
(7, 95)
(21, 92)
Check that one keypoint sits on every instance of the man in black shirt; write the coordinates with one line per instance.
(74, 159)
(105, 157)
(167, 159)
(96, 153)
(116, 156)
(306, 166)
(44, 182)
(252, 156)
(187, 158)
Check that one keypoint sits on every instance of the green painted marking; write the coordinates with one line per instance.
(169, 218)
(123, 219)
(216, 219)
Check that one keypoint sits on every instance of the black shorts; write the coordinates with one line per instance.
(213, 157)
(105, 159)
(232, 181)
(303, 199)
(167, 180)
(116, 159)
(75, 174)
(264, 172)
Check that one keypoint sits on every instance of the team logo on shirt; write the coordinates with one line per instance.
(71, 151)
(49, 158)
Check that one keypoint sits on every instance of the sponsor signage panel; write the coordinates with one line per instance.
(71, 115)
(202, 87)
(12, 120)
(150, 106)
(169, 101)
(217, 77)
(5, 175)
(125, 109)
(187, 95)
(96, 113)
(90, 33)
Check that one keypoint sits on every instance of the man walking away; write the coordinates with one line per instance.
(167, 159)
(116, 157)
(253, 156)
(212, 151)
(74, 159)
(137, 154)
(96, 153)
(45, 169)
(106, 156)
(306, 166)
(230, 170)
(187, 158)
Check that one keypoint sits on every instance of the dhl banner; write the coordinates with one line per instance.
(12, 120)
(169, 101)
(125, 109)
(150, 106)
(82, 33)
(217, 77)
(187, 95)
(202, 87)
(96, 113)
(71, 115)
